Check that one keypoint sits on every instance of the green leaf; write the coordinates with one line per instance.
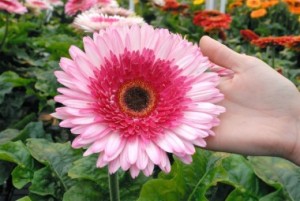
(21, 176)
(16, 152)
(44, 183)
(275, 196)
(84, 190)
(14, 79)
(46, 83)
(26, 198)
(32, 130)
(278, 173)
(85, 168)
(8, 135)
(5, 170)
(192, 182)
(5, 88)
(59, 157)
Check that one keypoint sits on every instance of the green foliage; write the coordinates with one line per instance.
(36, 157)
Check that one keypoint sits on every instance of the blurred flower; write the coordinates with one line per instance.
(235, 4)
(294, 44)
(258, 13)
(294, 6)
(248, 35)
(198, 2)
(273, 2)
(107, 10)
(135, 95)
(55, 2)
(173, 5)
(12, 6)
(253, 3)
(277, 41)
(92, 21)
(74, 6)
(159, 2)
(38, 5)
(109, 3)
(212, 20)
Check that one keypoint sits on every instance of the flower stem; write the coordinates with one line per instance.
(5, 31)
(113, 187)
(273, 56)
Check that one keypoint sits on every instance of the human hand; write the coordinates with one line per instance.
(262, 107)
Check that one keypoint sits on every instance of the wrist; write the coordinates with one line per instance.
(294, 154)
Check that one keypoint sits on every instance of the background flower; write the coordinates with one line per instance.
(92, 21)
(12, 6)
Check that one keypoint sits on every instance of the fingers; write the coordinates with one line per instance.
(220, 54)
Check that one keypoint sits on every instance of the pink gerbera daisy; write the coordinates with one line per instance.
(136, 94)
(12, 6)
(92, 20)
(38, 5)
(74, 6)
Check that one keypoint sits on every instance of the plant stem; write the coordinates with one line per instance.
(113, 187)
(5, 31)
(273, 56)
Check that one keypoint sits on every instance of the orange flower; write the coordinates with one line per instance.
(253, 3)
(235, 4)
(212, 20)
(294, 6)
(294, 44)
(258, 13)
(273, 2)
(248, 35)
(263, 42)
(295, 9)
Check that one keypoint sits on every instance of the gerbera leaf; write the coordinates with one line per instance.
(201, 180)
(90, 192)
(58, 157)
(278, 173)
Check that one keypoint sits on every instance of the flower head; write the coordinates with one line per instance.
(136, 94)
(92, 21)
(12, 6)
(253, 3)
(277, 41)
(159, 2)
(294, 44)
(107, 3)
(258, 13)
(248, 35)
(212, 20)
(174, 5)
(198, 2)
(74, 6)
(38, 5)
(111, 11)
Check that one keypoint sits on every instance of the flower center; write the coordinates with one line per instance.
(136, 98)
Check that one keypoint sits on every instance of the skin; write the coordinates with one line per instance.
(262, 107)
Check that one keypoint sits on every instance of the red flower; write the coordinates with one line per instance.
(263, 42)
(173, 5)
(212, 20)
(295, 43)
(248, 35)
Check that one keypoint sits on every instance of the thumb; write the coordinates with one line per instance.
(220, 54)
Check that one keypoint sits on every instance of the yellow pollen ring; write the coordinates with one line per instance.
(151, 96)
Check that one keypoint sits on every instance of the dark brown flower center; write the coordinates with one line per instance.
(136, 98)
